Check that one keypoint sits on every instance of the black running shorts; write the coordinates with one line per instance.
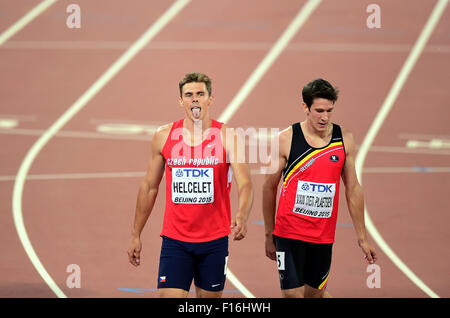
(302, 263)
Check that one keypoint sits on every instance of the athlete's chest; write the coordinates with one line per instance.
(326, 163)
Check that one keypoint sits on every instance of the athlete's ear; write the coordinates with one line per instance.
(180, 100)
(211, 99)
(305, 108)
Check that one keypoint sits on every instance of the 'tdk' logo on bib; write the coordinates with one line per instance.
(193, 185)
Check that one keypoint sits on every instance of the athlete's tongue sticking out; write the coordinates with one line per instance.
(196, 112)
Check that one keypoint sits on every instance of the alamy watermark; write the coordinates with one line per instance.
(74, 279)
(73, 21)
(374, 19)
(374, 279)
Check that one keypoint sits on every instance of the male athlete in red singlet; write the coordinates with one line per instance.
(313, 156)
(199, 162)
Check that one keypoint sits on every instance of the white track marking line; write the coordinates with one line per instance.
(417, 151)
(368, 170)
(224, 46)
(269, 59)
(147, 135)
(163, 20)
(78, 134)
(235, 281)
(423, 136)
(77, 176)
(416, 169)
(27, 18)
(376, 125)
(139, 174)
(301, 17)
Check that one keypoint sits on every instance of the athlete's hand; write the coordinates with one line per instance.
(238, 229)
(134, 251)
(369, 252)
(270, 248)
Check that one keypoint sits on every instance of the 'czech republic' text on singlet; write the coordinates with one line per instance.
(198, 183)
(309, 196)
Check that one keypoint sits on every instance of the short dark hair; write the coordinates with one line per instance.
(195, 77)
(319, 88)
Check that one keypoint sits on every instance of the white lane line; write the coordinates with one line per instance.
(139, 174)
(375, 170)
(146, 135)
(77, 176)
(417, 151)
(303, 15)
(235, 281)
(376, 125)
(163, 20)
(27, 18)
(423, 136)
(416, 169)
(254, 78)
(78, 134)
(224, 46)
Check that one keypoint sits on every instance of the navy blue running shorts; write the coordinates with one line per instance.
(181, 262)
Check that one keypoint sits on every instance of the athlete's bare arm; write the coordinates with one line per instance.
(270, 187)
(148, 191)
(355, 197)
(241, 173)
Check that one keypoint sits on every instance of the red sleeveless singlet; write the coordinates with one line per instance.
(309, 197)
(198, 183)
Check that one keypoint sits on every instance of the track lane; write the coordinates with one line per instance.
(414, 197)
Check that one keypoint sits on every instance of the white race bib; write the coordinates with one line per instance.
(314, 199)
(192, 185)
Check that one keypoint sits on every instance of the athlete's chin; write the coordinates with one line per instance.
(195, 119)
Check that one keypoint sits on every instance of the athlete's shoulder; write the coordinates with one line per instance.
(285, 136)
(349, 141)
(286, 133)
(284, 140)
(160, 136)
(165, 127)
(163, 130)
(346, 133)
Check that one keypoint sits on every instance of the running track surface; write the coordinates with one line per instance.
(79, 197)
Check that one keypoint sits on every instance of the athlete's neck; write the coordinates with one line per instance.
(309, 129)
(314, 137)
(196, 129)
